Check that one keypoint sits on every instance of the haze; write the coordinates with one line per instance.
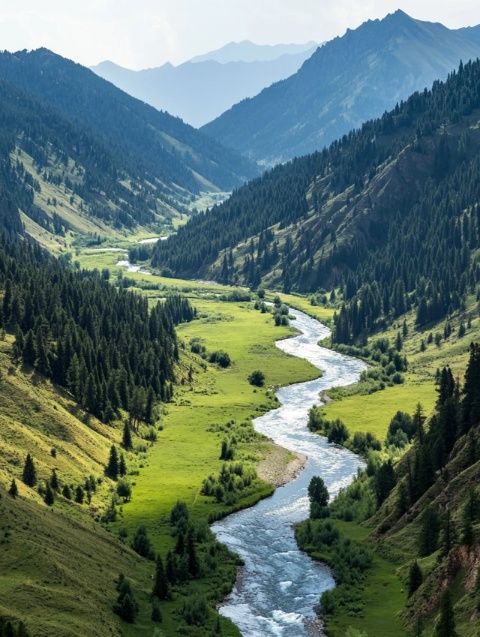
(150, 32)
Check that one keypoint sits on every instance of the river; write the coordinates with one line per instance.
(279, 586)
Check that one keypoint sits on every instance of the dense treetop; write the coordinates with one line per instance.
(370, 214)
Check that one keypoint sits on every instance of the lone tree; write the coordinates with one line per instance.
(161, 587)
(318, 495)
(257, 378)
(49, 497)
(112, 468)
(415, 578)
(446, 622)
(13, 490)
(29, 475)
(54, 483)
(127, 436)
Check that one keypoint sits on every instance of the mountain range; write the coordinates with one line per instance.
(344, 83)
(82, 155)
(203, 88)
(374, 209)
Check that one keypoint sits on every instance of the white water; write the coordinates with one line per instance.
(279, 587)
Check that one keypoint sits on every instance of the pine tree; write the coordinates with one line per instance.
(54, 483)
(446, 623)
(49, 497)
(29, 475)
(156, 615)
(171, 568)
(415, 578)
(449, 536)
(161, 587)
(122, 466)
(112, 468)
(193, 563)
(13, 490)
(127, 436)
(79, 495)
(384, 481)
(67, 492)
(428, 539)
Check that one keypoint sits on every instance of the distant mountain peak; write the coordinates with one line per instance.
(347, 81)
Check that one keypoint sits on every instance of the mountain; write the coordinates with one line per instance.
(247, 51)
(369, 215)
(217, 84)
(345, 82)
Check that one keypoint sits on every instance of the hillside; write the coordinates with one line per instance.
(72, 384)
(369, 215)
(410, 524)
(93, 158)
(216, 85)
(346, 82)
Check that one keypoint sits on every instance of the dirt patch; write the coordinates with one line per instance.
(280, 466)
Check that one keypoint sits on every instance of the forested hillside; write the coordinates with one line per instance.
(347, 81)
(370, 215)
(80, 155)
(83, 368)
(415, 519)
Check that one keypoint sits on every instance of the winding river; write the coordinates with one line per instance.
(278, 587)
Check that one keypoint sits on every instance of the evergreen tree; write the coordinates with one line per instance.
(13, 490)
(67, 492)
(126, 607)
(112, 468)
(446, 623)
(430, 526)
(384, 481)
(49, 496)
(171, 568)
(415, 578)
(449, 536)
(79, 495)
(29, 475)
(122, 466)
(161, 587)
(54, 483)
(127, 437)
(141, 543)
(156, 615)
(193, 563)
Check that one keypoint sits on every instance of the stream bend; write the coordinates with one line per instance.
(279, 586)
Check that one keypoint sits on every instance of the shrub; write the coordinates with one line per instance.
(195, 611)
(221, 358)
(257, 378)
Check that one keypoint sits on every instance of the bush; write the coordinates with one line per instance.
(195, 611)
(124, 490)
(257, 378)
(221, 358)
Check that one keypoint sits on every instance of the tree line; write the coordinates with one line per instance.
(101, 343)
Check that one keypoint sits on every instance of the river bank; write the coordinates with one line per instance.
(278, 587)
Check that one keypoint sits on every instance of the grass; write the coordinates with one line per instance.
(188, 448)
(383, 592)
(57, 565)
(373, 412)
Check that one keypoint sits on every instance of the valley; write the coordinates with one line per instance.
(240, 362)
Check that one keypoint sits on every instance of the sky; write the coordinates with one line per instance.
(145, 33)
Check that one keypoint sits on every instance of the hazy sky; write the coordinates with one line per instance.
(142, 33)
